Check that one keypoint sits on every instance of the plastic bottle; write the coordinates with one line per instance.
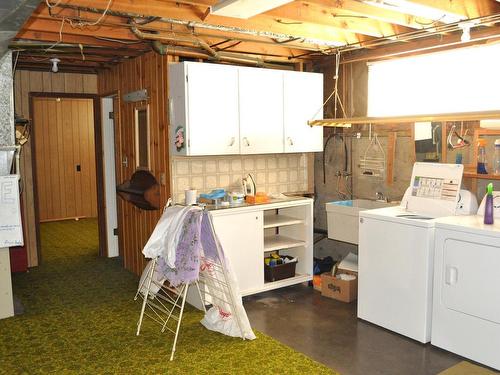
(496, 159)
(481, 157)
(488, 207)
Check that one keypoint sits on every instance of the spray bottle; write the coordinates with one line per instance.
(488, 208)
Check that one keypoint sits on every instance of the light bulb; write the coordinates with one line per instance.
(465, 34)
(54, 62)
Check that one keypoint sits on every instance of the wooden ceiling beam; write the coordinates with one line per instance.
(71, 57)
(313, 13)
(463, 8)
(62, 50)
(432, 44)
(62, 69)
(359, 8)
(46, 36)
(54, 26)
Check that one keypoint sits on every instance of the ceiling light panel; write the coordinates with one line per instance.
(245, 8)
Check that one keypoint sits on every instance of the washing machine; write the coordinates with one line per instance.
(396, 252)
(466, 303)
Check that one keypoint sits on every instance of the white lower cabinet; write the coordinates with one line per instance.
(241, 238)
(247, 234)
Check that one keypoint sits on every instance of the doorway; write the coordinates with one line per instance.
(67, 163)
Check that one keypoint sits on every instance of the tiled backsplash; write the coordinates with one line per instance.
(273, 173)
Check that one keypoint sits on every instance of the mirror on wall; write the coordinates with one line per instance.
(428, 141)
(142, 154)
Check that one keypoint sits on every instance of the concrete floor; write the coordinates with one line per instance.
(329, 332)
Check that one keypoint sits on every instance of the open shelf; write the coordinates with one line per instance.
(273, 221)
(298, 278)
(481, 176)
(280, 242)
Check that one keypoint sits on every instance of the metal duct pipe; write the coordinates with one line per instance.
(210, 54)
(197, 42)
(163, 49)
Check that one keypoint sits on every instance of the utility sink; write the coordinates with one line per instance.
(343, 217)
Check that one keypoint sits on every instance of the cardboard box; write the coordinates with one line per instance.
(342, 290)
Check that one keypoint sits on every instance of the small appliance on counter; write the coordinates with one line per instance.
(248, 185)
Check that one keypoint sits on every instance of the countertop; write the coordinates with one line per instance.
(212, 207)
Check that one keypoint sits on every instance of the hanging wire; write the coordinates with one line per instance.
(52, 5)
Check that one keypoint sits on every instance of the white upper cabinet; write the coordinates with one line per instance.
(209, 116)
(303, 98)
(261, 111)
(225, 109)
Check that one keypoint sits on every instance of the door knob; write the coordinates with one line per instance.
(125, 161)
(231, 143)
(290, 141)
(247, 143)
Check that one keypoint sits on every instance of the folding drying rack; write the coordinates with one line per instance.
(163, 303)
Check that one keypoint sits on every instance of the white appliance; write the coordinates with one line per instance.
(466, 303)
(396, 252)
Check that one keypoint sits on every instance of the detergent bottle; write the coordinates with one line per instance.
(481, 157)
(488, 207)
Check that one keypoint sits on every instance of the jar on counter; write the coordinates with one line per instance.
(481, 157)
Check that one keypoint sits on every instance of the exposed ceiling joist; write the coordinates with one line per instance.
(300, 29)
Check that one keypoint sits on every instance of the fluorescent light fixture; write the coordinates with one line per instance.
(245, 8)
(418, 10)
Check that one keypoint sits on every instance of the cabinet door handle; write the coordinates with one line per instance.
(247, 143)
(290, 141)
(451, 275)
(231, 143)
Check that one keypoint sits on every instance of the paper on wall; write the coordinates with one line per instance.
(11, 231)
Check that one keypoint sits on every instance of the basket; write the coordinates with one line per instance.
(279, 272)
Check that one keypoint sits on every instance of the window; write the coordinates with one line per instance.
(460, 80)
(142, 137)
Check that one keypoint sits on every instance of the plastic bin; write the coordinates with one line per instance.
(279, 272)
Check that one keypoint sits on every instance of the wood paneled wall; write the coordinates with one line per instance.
(33, 81)
(146, 72)
(64, 139)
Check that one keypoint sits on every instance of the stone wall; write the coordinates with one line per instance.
(6, 101)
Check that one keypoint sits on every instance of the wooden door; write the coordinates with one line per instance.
(261, 110)
(65, 158)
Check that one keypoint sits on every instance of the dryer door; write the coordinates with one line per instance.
(472, 276)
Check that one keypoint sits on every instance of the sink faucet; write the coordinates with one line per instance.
(381, 197)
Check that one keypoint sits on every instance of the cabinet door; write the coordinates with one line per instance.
(212, 109)
(303, 97)
(242, 239)
(261, 111)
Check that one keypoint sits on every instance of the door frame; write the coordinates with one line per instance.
(99, 166)
(114, 146)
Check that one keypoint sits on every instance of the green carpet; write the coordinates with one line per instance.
(80, 317)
